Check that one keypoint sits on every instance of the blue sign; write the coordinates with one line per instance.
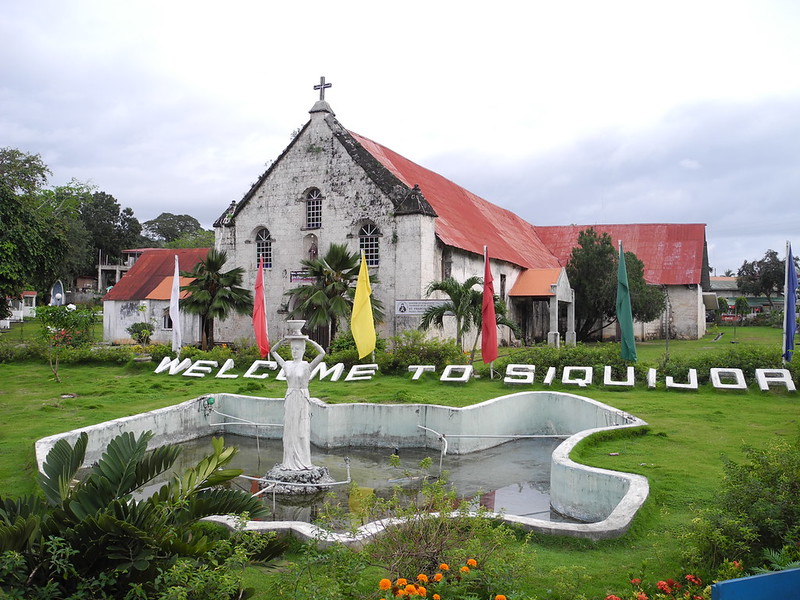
(781, 584)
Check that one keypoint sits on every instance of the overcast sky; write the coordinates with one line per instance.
(573, 112)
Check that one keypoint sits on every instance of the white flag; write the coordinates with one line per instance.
(174, 310)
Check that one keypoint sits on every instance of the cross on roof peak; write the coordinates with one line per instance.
(322, 87)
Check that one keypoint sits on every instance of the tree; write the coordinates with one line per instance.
(111, 227)
(167, 227)
(31, 247)
(94, 528)
(763, 277)
(214, 294)
(464, 304)
(64, 327)
(202, 238)
(592, 272)
(25, 174)
(329, 298)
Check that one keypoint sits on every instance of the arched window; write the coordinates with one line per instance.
(368, 243)
(264, 248)
(313, 209)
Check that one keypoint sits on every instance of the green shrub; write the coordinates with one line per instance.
(412, 348)
(756, 508)
(746, 358)
(141, 332)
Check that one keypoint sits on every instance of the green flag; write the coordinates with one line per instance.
(624, 312)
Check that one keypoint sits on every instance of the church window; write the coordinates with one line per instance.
(264, 248)
(502, 286)
(447, 263)
(166, 320)
(368, 243)
(314, 209)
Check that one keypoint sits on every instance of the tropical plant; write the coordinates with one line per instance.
(141, 332)
(95, 528)
(464, 304)
(64, 327)
(329, 297)
(214, 294)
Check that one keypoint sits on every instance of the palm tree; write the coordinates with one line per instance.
(107, 533)
(329, 298)
(214, 294)
(464, 304)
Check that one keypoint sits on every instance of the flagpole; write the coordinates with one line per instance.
(785, 303)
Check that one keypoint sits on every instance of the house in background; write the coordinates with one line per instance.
(23, 307)
(675, 258)
(728, 288)
(143, 294)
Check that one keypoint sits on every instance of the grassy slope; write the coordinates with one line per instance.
(680, 455)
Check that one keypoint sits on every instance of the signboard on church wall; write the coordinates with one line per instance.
(415, 307)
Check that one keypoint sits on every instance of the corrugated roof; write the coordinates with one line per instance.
(150, 270)
(465, 220)
(673, 254)
(535, 282)
(722, 284)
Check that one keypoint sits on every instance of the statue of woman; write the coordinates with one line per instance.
(297, 405)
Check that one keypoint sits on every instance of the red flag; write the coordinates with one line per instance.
(488, 317)
(260, 313)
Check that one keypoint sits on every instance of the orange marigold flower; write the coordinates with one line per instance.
(422, 577)
(438, 577)
(384, 584)
(444, 567)
(465, 569)
(499, 597)
(411, 590)
(472, 562)
(422, 591)
(401, 582)
(436, 597)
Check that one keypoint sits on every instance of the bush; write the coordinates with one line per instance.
(756, 508)
(746, 358)
(141, 332)
(412, 348)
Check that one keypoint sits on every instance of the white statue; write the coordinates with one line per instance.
(297, 405)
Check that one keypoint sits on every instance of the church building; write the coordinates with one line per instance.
(331, 185)
(415, 227)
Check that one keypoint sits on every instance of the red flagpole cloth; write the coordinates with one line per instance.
(488, 318)
(260, 313)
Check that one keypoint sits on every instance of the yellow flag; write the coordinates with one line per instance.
(361, 323)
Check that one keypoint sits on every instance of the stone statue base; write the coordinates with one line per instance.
(298, 482)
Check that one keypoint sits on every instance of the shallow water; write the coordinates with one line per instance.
(513, 478)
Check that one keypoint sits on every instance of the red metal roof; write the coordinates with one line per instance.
(465, 220)
(150, 270)
(672, 254)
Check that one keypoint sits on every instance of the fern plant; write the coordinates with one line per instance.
(111, 535)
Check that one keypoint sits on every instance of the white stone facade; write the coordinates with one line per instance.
(409, 258)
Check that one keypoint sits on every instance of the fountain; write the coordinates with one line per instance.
(602, 502)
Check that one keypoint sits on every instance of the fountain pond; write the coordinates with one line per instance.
(491, 449)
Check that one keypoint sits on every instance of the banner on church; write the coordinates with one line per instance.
(415, 307)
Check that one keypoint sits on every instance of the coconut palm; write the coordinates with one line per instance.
(102, 530)
(214, 294)
(464, 304)
(329, 298)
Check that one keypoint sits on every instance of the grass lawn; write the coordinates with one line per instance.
(680, 454)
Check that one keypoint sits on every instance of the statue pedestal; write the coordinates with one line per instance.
(295, 482)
